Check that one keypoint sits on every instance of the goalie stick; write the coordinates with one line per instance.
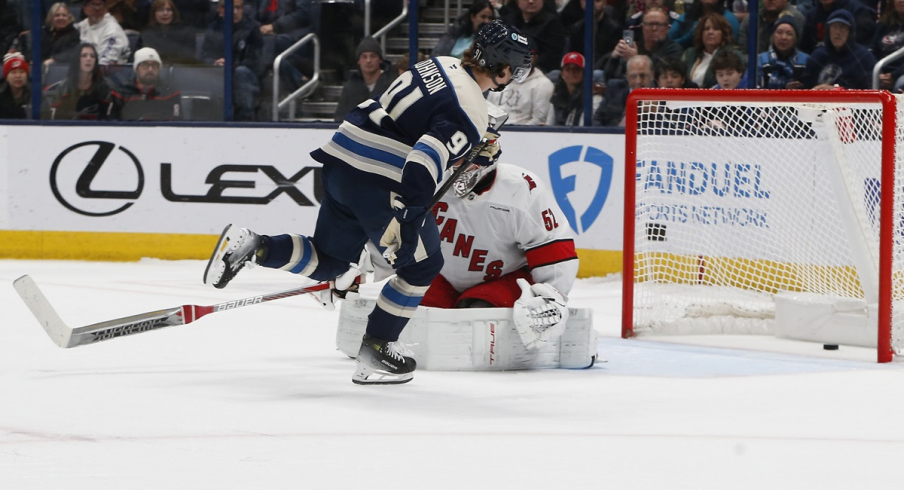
(65, 336)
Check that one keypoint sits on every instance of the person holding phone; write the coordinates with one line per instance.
(652, 42)
(628, 37)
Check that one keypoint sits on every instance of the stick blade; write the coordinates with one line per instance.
(497, 115)
(56, 329)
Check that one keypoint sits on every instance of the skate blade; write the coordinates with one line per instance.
(216, 266)
(368, 376)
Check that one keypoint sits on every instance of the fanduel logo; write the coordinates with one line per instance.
(594, 166)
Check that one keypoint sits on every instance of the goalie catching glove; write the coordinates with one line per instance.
(402, 237)
(490, 153)
(540, 314)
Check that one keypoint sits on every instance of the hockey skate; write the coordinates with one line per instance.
(236, 247)
(383, 363)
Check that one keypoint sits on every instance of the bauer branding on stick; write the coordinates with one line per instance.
(65, 336)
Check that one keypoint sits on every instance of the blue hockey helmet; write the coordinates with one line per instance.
(497, 44)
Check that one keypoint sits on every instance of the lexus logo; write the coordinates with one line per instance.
(99, 178)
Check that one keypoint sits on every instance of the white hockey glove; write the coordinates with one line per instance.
(491, 152)
(345, 285)
(540, 314)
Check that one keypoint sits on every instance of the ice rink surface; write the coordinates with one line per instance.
(258, 398)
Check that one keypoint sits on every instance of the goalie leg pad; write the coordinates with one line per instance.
(479, 339)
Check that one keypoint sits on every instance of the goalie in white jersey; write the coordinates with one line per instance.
(380, 171)
(506, 244)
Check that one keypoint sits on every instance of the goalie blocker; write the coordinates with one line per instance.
(475, 339)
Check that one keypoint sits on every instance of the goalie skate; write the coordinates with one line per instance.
(235, 248)
(383, 363)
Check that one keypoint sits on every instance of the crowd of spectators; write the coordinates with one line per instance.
(801, 44)
(112, 59)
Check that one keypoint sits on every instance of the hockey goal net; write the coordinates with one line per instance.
(772, 212)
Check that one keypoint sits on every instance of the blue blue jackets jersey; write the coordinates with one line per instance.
(428, 118)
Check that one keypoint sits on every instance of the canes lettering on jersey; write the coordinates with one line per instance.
(518, 226)
(463, 246)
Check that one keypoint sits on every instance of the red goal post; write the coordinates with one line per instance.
(765, 211)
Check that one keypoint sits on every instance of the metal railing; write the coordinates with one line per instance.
(446, 8)
(305, 89)
(311, 84)
(877, 70)
(394, 22)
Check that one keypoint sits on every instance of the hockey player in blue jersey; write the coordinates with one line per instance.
(380, 171)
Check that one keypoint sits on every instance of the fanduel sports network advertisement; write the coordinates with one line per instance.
(689, 187)
(195, 180)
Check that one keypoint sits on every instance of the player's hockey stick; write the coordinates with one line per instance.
(497, 118)
(65, 336)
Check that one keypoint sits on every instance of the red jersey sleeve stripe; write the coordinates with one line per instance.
(551, 253)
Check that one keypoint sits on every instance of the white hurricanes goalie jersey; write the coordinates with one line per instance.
(514, 224)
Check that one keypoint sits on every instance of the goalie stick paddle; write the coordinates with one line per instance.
(65, 336)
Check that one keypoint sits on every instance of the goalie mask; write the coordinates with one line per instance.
(468, 180)
(496, 45)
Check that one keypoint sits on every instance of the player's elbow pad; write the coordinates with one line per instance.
(417, 185)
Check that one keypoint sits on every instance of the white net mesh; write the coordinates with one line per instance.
(738, 201)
